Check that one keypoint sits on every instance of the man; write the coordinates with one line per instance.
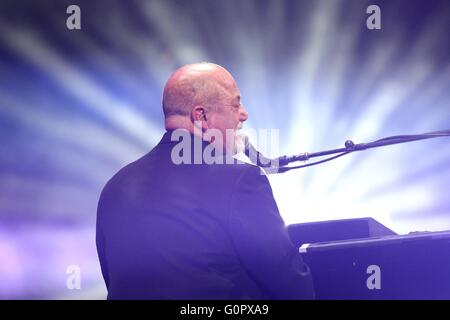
(196, 231)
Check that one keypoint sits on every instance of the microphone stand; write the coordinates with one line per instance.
(350, 147)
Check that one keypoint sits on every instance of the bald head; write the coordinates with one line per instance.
(203, 98)
(195, 84)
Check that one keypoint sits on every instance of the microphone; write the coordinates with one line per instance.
(255, 156)
(280, 164)
(276, 165)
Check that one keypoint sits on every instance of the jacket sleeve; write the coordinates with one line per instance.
(261, 240)
(100, 239)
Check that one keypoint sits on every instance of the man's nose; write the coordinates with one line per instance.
(243, 115)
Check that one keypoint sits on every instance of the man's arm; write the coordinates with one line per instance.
(100, 239)
(261, 240)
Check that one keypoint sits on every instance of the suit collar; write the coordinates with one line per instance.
(167, 137)
(170, 138)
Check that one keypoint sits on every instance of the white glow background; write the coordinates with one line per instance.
(75, 106)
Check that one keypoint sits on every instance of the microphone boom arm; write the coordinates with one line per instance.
(350, 147)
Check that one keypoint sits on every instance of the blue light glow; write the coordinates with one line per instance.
(75, 106)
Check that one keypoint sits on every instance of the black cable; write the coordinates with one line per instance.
(285, 169)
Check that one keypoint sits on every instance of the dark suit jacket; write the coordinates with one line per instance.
(195, 231)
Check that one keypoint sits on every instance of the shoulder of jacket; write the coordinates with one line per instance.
(239, 169)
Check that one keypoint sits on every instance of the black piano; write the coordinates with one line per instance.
(362, 259)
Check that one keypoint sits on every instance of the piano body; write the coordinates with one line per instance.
(362, 259)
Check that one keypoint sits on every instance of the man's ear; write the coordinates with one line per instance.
(199, 117)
